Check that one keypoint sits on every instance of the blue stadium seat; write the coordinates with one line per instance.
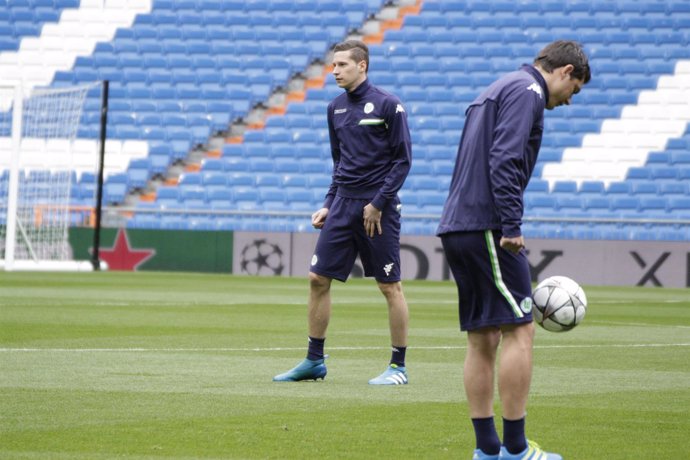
(679, 205)
(537, 185)
(245, 196)
(565, 187)
(294, 181)
(663, 172)
(653, 206)
(195, 65)
(287, 166)
(597, 205)
(540, 202)
(592, 188)
(641, 188)
(680, 158)
(570, 205)
(236, 165)
(628, 203)
(194, 195)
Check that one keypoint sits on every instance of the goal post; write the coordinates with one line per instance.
(37, 172)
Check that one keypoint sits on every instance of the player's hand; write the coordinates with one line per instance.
(513, 244)
(372, 220)
(319, 217)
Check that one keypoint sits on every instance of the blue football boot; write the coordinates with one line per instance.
(480, 455)
(532, 452)
(306, 370)
(394, 375)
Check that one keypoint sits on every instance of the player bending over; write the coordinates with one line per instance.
(483, 243)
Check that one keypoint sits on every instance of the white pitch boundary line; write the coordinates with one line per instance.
(198, 350)
(623, 323)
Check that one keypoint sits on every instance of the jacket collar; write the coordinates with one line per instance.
(530, 69)
(360, 91)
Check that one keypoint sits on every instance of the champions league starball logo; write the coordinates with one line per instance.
(262, 258)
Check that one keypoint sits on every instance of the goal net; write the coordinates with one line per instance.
(37, 130)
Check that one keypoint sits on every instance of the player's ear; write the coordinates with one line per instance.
(567, 70)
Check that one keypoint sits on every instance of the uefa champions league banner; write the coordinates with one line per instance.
(124, 249)
(595, 263)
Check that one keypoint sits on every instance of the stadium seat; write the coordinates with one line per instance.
(596, 205)
(619, 188)
(189, 67)
(565, 187)
(679, 207)
(675, 188)
(537, 185)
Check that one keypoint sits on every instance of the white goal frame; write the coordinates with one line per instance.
(14, 229)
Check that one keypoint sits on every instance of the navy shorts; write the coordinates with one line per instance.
(494, 286)
(343, 237)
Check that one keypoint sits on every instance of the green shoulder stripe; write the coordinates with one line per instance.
(371, 121)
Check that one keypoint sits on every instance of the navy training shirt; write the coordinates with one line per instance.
(370, 145)
(496, 155)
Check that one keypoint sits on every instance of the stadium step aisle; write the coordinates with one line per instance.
(234, 54)
(255, 47)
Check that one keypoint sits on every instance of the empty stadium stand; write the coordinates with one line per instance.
(614, 165)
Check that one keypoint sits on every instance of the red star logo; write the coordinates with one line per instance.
(121, 256)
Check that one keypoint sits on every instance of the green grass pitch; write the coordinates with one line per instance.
(170, 365)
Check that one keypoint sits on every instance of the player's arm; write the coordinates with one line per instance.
(506, 161)
(319, 216)
(401, 147)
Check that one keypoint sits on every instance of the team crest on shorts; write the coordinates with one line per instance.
(314, 259)
(526, 305)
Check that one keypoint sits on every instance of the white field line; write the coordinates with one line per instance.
(621, 323)
(271, 349)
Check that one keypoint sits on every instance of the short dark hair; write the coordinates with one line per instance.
(561, 53)
(359, 51)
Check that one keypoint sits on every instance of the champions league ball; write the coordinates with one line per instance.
(559, 304)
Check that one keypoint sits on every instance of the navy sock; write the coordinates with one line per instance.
(398, 356)
(486, 435)
(514, 435)
(315, 348)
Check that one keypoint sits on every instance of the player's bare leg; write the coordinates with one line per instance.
(478, 375)
(398, 313)
(319, 305)
(398, 320)
(319, 315)
(515, 369)
(514, 378)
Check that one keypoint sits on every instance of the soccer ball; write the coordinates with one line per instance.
(559, 304)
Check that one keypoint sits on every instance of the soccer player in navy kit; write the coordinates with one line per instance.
(484, 246)
(372, 154)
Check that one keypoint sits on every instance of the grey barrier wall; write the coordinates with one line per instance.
(594, 263)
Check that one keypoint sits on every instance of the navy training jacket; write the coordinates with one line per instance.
(370, 145)
(496, 156)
